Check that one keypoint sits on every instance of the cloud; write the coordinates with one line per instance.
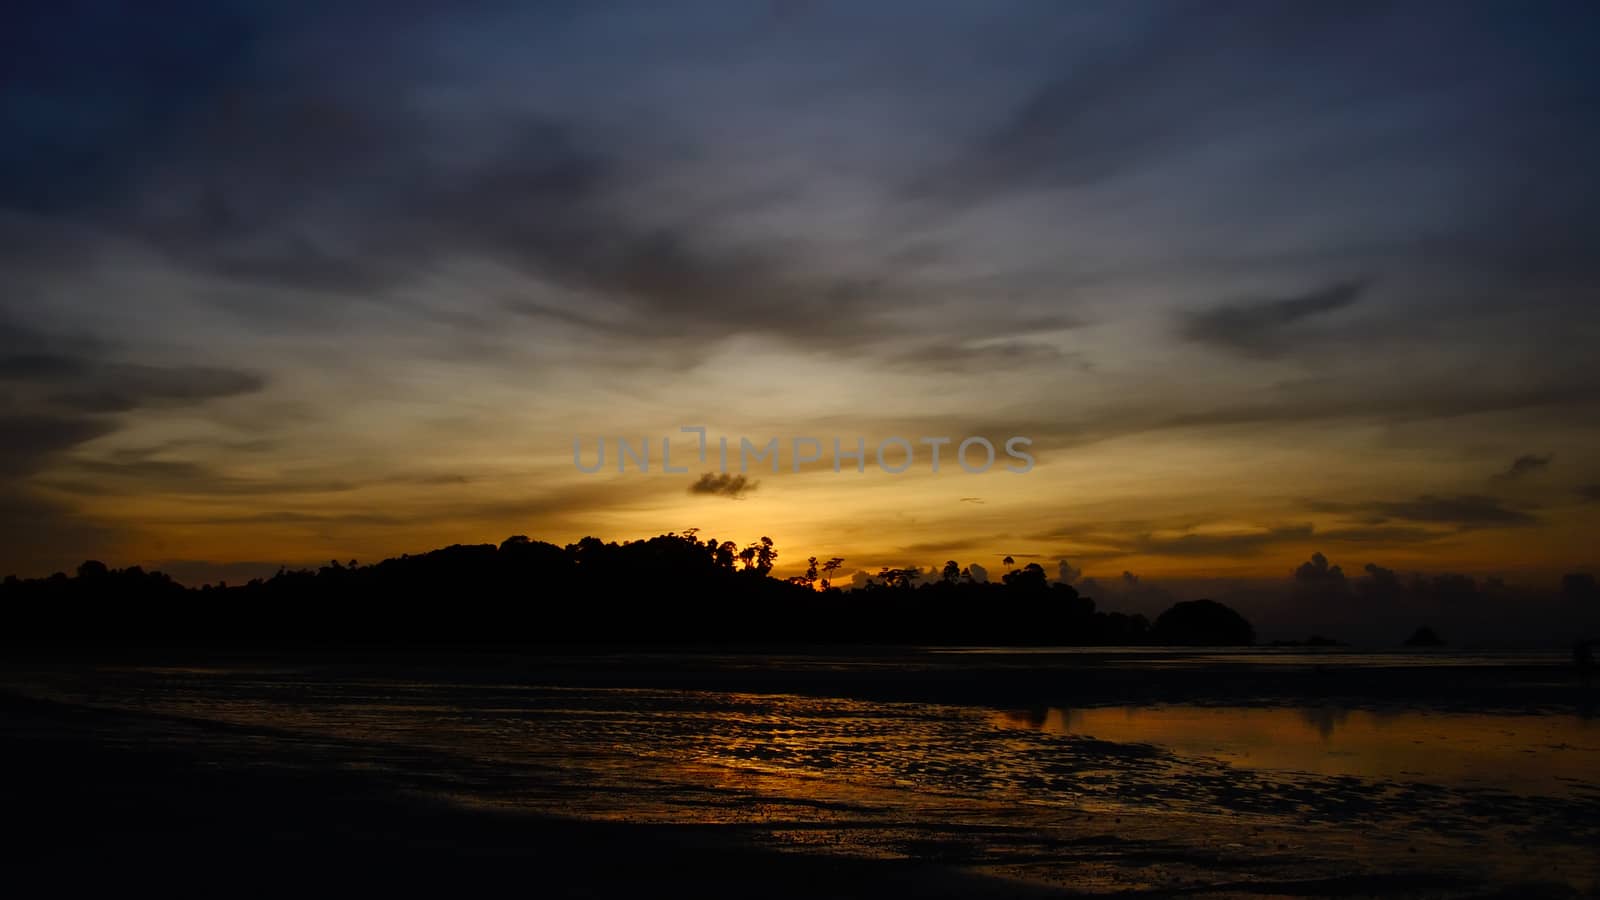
(1590, 493)
(1524, 466)
(1106, 109)
(1331, 399)
(1382, 523)
(1067, 573)
(1318, 572)
(366, 202)
(1265, 328)
(32, 440)
(1380, 534)
(585, 192)
(726, 484)
(1461, 510)
(69, 396)
(120, 388)
(68, 381)
(382, 187)
(39, 367)
(38, 533)
(948, 546)
(73, 375)
(135, 471)
(978, 573)
(986, 356)
(1220, 544)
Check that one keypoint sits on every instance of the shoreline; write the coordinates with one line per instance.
(101, 815)
(837, 775)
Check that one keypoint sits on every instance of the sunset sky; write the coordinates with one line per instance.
(281, 284)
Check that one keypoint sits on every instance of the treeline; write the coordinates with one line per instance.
(674, 588)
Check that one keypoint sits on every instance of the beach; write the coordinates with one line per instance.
(921, 772)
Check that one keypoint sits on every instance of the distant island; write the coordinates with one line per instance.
(1424, 637)
(670, 589)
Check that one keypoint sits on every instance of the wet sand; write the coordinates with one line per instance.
(823, 774)
(92, 813)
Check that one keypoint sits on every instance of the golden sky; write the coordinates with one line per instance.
(319, 286)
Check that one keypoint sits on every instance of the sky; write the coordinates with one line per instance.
(284, 283)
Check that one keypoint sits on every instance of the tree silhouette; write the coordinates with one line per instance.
(1031, 577)
(828, 568)
(672, 588)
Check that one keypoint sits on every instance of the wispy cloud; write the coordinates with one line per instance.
(1465, 511)
(1523, 466)
(1267, 327)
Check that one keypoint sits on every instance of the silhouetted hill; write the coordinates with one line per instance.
(1424, 637)
(674, 588)
(1202, 623)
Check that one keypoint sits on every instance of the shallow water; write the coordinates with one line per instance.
(1544, 754)
(1103, 797)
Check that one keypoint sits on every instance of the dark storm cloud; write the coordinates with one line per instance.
(1523, 466)
(1266, 327)
(723, 485)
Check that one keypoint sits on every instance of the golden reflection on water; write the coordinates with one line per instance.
(1541, 754)
(1301, 792)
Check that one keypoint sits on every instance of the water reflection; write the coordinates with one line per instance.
(1539, 754)
(1325, 719)
(860, 776)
